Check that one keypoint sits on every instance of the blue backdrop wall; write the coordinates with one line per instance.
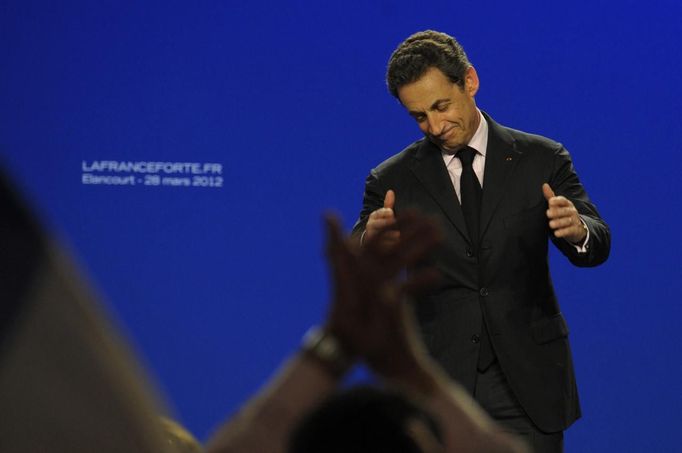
(215, 269)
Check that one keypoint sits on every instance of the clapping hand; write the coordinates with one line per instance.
(367, 313)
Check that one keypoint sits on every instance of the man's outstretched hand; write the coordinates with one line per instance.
(563, 217)
(382, 218)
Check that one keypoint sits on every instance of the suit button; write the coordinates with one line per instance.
(483, 292)
(475, 338)
(470, 253)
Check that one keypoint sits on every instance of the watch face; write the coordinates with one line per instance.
(326, 349)
(323, 345)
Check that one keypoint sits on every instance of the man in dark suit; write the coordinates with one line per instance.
(493, 322)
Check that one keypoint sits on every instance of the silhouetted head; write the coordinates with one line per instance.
(367, 419)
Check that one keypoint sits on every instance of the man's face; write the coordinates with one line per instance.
(445, 113)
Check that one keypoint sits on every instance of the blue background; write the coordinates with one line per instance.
(216, 286)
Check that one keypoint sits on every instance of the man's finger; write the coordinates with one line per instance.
(382, 213)
(559, 201)
(389, 200)
(382, 223)
(565, 232)
(547, 191)
(562, 222)
(559, 212)
(383, 238)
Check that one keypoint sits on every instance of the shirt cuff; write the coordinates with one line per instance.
(582, 248)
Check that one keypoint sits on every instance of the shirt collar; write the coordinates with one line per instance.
(479, 141)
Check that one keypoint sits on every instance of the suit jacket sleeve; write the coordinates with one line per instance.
(565, 182)
(373, 199)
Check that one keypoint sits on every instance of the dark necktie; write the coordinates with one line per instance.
(470, 193)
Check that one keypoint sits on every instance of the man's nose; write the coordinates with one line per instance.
(435, 124)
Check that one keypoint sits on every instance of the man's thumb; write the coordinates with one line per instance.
(389, 201)
(547, 191)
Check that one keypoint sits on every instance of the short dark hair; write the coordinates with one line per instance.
(422, 51)
(362, 419)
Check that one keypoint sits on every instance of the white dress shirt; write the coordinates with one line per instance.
(479, 142)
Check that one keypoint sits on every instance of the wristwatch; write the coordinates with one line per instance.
(326, 349)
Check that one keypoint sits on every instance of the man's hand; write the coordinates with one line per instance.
(380, 219)
(367, 314)
(563, 217)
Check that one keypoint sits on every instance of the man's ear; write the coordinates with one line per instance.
(471, 81)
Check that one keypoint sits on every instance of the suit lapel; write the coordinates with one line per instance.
(500, 160)
(428, 167)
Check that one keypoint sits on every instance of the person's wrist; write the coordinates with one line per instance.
(323, 347)
(579, 241)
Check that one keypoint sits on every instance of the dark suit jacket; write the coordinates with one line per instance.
(509, 284)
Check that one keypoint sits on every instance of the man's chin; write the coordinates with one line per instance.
(447, 148)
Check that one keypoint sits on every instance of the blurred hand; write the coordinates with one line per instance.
(367, 314)
(563, 217)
